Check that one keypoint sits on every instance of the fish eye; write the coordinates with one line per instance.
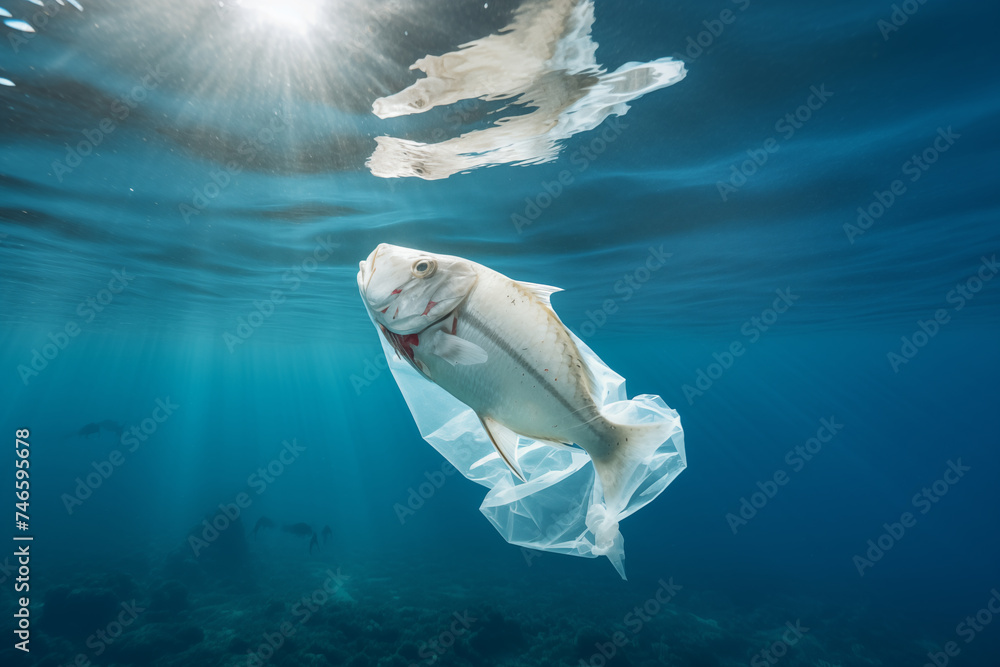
(423, 268)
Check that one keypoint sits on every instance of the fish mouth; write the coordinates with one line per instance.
(366, 269)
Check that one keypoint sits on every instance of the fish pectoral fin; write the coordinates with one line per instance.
(505, 441)
(456, 351)
(541, 292)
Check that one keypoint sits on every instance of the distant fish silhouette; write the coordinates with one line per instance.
(95, 428)
(112, 427)
(262, 522)
(297, 529)
(300, 529)
(89, 430)
(327, 534)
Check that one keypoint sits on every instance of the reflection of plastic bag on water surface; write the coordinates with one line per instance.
(560, 507)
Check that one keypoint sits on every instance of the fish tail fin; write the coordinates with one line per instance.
(619, 463)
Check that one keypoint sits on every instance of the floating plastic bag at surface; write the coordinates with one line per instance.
(560, 507)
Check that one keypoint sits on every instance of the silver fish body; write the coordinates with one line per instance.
(500, 348)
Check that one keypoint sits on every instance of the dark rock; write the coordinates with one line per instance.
(168, 600)
(697, 656)
(360, 660)
(589, 643)
(586, 643)
(326, 648)
(78, 612)
(121, 584)
(210, 552)
(387, 634)
(181, 565)
(51, 660)
(409, 651)
(394, 660)
(239, 645)
(497, 635)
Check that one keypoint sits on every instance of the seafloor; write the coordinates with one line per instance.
(267, 601)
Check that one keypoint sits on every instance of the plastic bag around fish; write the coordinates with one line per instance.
(560, 507)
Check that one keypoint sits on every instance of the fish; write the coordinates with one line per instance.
(300, 529)
(327, 534)
(89, 429)
(497, 346)
(262, 522)
(112, 427)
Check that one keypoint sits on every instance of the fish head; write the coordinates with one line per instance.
(408, 290)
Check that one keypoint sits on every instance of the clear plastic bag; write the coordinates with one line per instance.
(560, 507)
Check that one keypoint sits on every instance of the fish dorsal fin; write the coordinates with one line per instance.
(505, 441)
(541, 292)
(456, 351)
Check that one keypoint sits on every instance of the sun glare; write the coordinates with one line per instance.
(296, 16)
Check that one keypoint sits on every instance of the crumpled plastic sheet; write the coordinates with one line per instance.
(560, 508)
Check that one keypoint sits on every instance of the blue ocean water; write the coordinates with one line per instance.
(186, 190)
